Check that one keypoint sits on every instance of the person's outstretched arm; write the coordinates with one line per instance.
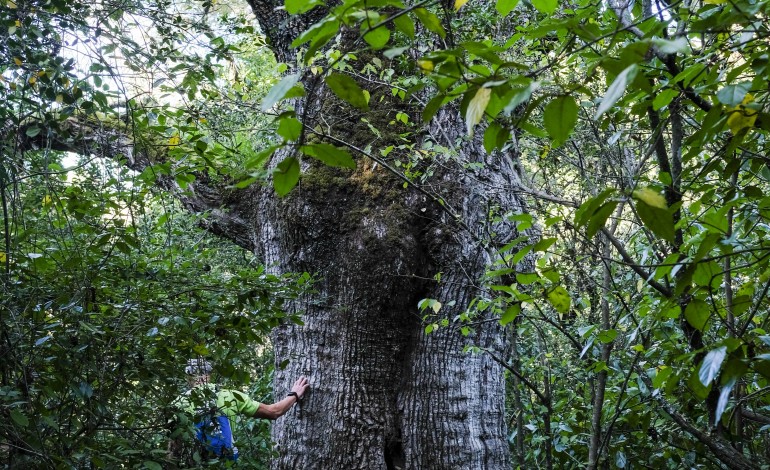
(279, 408)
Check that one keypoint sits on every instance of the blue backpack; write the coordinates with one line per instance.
(216, 435)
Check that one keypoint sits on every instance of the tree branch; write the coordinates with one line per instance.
(721, 449)
(113, 139)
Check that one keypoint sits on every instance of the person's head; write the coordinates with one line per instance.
(198, 371)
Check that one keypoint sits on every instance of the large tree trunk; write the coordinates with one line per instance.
(385, 395)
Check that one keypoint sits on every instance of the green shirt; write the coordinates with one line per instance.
(228, 402)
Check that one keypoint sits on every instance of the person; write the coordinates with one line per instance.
(214, 409)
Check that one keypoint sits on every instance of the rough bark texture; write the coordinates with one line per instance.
(386, 395)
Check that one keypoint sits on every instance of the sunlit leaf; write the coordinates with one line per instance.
(279, 91)
(378, 37)
(301, 6)
(711, 364)
(560, 299)
(742, 117)
(724, 396)
(510, 314)
(476, 108)
(616, 89)
(504, 7)
(289, 128)
(732, 95)
(651, 197)
(545, 6)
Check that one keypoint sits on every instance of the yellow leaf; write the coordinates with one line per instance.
(32, 80)
(3, 257)
(436, 306)
(17, 61)
(742, 117)
(476, 108)
(203, 120)
(426, 66)
(459, 4)
(11, 4)
(651, 197)
(17, 24)
(174, 140)
(46, 199)
(59, 99)
(714, 2)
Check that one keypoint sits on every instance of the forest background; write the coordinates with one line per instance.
(626, 277)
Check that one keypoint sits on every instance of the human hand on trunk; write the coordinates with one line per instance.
(300, 387)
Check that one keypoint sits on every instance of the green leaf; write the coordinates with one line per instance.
(526, 278)
(405, 24)
(616, 89)
(732, 95)
(19, 418)
(32, 131)
(279, 90)
(696, 387)
(326, 28)
(433, 106)
(289, 128)
(295, 7)
(652, 209)
(286, 176)
(347, 90)
(476, 107)
(707, 274)
(560, 117)
(599, 218)
(329, 154)
(671, 46)
(510, 314)
(395, 52)
(711, 365)
(664, 98)
(495, 137)
(378, 37)
(607, 336)
(504, 7)
(545, 6)
(661, 376)
(149, 464)
(595, 211)
(697, 314)
(430, 21)
(519, 96)
(560, 299)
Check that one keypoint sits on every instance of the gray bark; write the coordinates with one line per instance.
(384, 394)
